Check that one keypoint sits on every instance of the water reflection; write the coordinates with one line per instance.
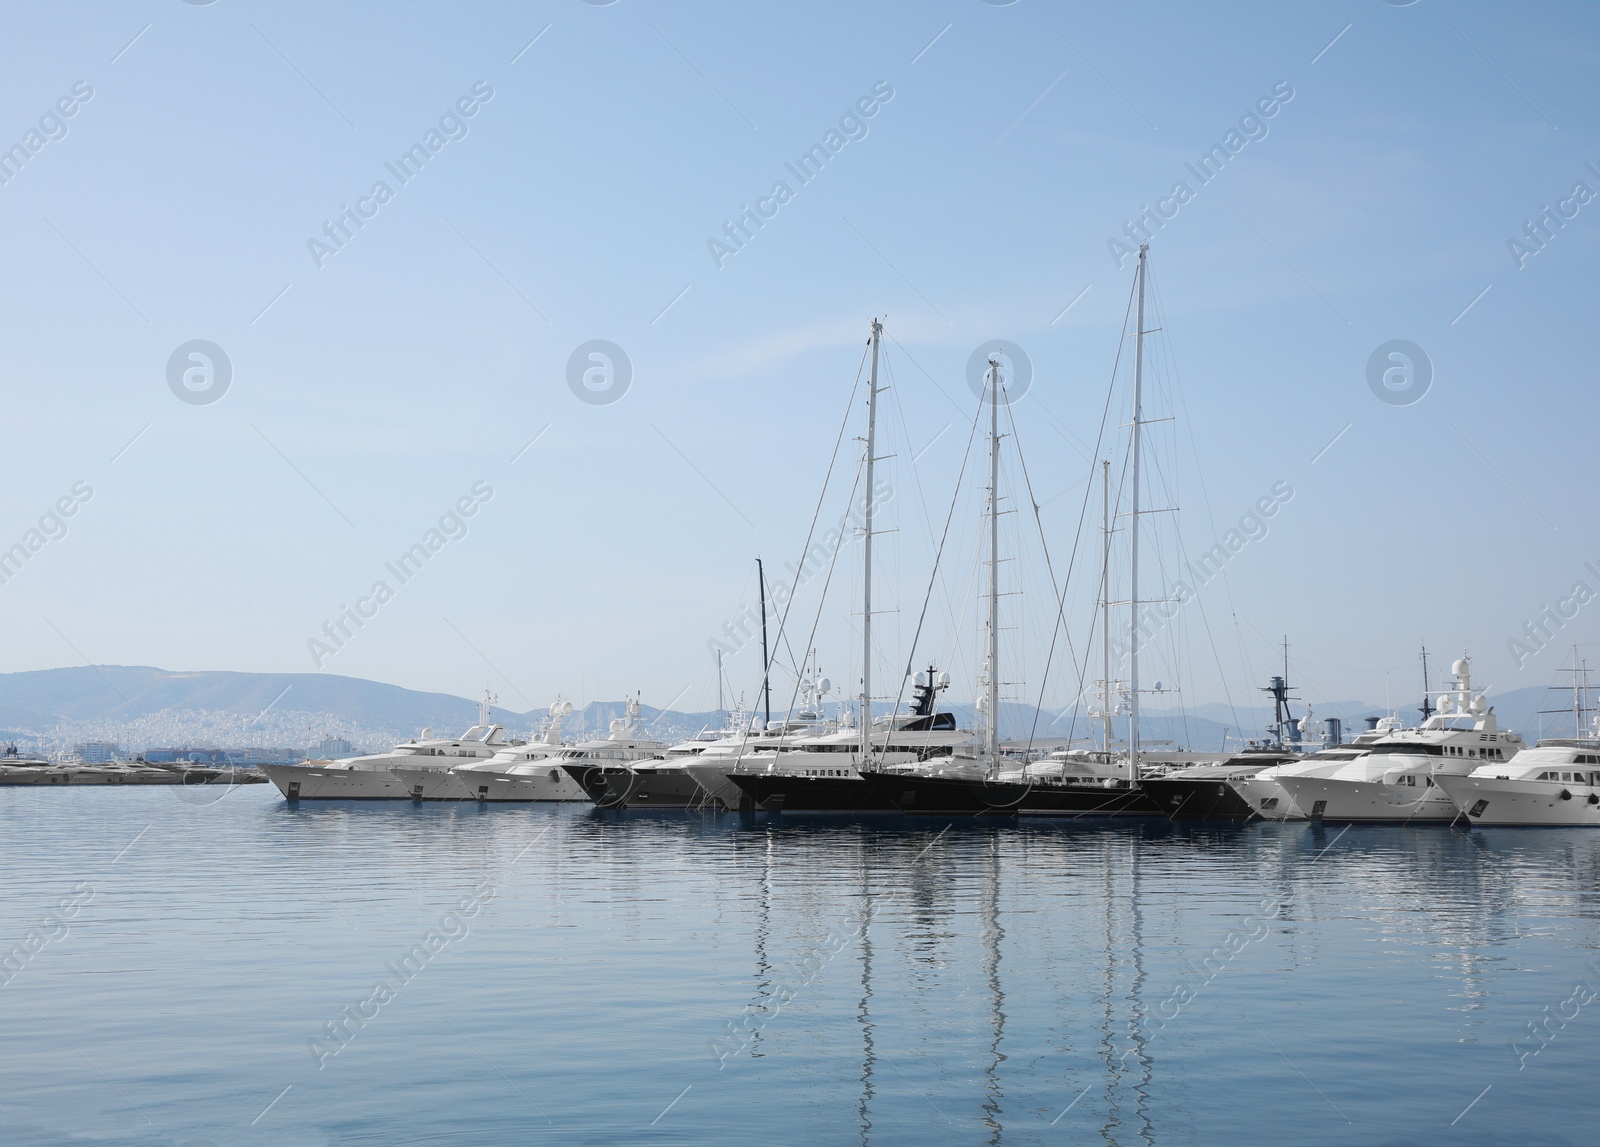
(894, 981)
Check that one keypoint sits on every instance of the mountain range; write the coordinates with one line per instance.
(143, 707)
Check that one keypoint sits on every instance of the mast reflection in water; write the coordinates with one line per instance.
(897, 981)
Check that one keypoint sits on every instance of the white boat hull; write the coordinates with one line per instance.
(1269, 799)
(548, 782)
(1322, 798)
(1523, 802)
(431, 784)
(307, 783)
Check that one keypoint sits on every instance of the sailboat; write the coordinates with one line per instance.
(824, 772)
(1001, 791)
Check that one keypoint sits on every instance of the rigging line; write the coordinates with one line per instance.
(916, 475)
(929, 377)
(816, 514)
(1088, 491)
(933, 575)
(1205, 496)
(1058, 588)
(821, 600)
(815, 621)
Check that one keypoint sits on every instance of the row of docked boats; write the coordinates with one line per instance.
(16, 769)
(1457, 765)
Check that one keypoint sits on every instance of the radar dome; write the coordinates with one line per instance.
(1460, 667)
(922, 679)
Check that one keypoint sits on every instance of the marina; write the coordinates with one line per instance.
(611, 574)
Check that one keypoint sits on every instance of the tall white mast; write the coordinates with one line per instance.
(992, 726)
(1133, 534)
(1105, 602)
(866, 593)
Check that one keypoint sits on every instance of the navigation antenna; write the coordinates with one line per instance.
(1283, 727)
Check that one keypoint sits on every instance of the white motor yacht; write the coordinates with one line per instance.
(1395, 780)
(1557, 782)
(1267, 797)
(373, 777)
(520, 773)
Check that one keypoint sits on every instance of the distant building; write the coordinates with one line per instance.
(187, 755)
(333, 749)
(97, 752)
(251, 755)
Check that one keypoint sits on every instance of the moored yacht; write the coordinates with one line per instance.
(591, 764)
(1204, 791)
(1396, 779)
(1264, 793)
(1201, 791)
(1554, 783)
(521, 773)
(694, 774)
(372, 777)
(824, 772)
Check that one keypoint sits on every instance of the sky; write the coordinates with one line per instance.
(289, 287)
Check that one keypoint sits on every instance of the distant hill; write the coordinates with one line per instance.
(46, 697)
(140, 706)
(143, 707)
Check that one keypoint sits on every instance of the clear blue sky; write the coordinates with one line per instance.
(369, 393)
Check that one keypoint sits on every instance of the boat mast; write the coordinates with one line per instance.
(1105, 602)
(1427, 700)
(766, 662)
(1133, 551)
(866, 592)
(991, 735)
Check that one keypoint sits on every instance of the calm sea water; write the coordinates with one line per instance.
(577, 977)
